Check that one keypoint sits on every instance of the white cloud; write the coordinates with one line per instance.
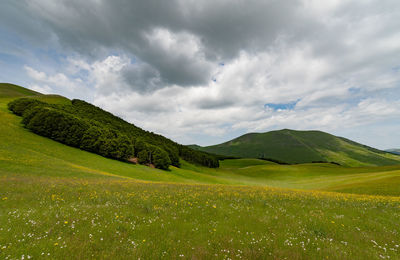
(44, 89)
(56, 83)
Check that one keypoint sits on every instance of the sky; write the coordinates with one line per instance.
(204, 72)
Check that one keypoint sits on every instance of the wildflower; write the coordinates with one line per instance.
(214, 206)
(5, 198)
(144, 240)
(333, 222)
(65, 222)
(56, 244)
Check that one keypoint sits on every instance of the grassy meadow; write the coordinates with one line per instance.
(66, 218)
(58, 202)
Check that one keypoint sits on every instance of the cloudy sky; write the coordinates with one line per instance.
(207, 71)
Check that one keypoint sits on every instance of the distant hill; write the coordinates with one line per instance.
(302, 147)
(194, 146)
(395, 151)
(80, 124)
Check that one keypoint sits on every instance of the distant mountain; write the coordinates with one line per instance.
(395, 151)
(302, 147)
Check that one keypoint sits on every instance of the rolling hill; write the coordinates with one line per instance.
(61, 202)
(85, 126)
(292, 147)
(23, 152)
(8, 90)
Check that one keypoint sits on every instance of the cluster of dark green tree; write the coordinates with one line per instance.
(92, 129)
(174, 150)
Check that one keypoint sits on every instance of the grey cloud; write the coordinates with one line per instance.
(214, 103)
(141, 77)
(223, 29)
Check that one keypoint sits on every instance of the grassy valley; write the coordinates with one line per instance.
(58, 201)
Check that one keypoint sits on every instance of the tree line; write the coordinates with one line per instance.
(92, 129)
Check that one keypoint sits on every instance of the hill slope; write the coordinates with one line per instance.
(85, 126)
(10, 90)
(303, 147)
(27, 155)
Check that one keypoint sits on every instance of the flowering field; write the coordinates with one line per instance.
(110, 218)
(58, 202)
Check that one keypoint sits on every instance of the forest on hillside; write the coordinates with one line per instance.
(85, 126)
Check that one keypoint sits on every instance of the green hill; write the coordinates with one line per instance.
(85, 126)
(303, 147)
(61, 202)
(11, 90)
(26, 153)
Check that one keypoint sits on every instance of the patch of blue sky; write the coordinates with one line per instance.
(281, 106)
(396, 69)
(354, 90)
(10, 59)
(17, 50)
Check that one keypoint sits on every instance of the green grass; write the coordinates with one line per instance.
(302, 147)
(53, 99)
(58, 202)
(123, 219)
(11, 91)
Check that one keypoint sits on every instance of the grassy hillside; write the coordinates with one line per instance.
(303, 147)
(80, 124)
(11, 90)
(23, 152)
(59, 202)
